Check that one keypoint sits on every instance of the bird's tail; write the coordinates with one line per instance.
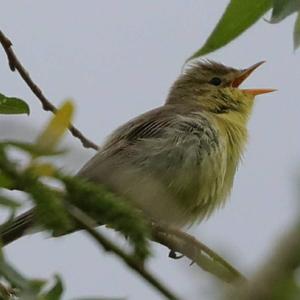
(16, 228)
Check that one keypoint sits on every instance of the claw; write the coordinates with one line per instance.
(173, 255)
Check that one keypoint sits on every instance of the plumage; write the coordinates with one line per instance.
(164, 153)
(177, 162)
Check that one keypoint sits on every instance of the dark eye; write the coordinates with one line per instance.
(215, 81)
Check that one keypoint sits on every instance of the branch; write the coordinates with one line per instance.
(86, 223)
(15, 64)
(199, 253)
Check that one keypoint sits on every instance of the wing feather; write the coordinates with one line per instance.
(163, 155)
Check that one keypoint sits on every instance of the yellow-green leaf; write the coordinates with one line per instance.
(11, 105)
(283, 8)
(42, 169)
(52, 134)
(238, 16)
(33, 149)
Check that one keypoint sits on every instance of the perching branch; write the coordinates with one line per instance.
(86, 223)
(197, 252)
(15, 64)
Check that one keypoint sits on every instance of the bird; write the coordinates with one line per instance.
(175, 163)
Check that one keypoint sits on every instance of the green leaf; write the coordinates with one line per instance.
(42, 169)
(36, 285)
(32, 291)
(56, 291)
(297, 32)
(52, 134)
(5, 181)
(12, 276)
(34, 150)
(283, 8)
(238, 16)
(11, 105)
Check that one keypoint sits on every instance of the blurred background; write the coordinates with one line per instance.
(117, 59)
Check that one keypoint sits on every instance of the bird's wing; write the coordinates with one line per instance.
(158, 129)
(171, 152)
(148, 125)
(151, 124)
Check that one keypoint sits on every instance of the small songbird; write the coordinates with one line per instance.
(176, 163)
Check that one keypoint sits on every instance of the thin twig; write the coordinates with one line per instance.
(199, 253)
(15, 64)
(85, 222)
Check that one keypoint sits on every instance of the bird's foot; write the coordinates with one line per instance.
(174, 255)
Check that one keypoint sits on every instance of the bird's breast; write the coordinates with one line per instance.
(217, 167)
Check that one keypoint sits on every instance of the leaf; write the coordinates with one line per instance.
(32, 291)
(283, 8)
(297, 32)
(34, 150)
(238, 16)
(35, 285)
(42, 169)
(52, 134)
(11, 105)
(5, 181)
(56, 291)
(15, 278)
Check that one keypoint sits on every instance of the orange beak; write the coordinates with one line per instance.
(245, 74)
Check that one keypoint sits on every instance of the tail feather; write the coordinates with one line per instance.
(16, 228)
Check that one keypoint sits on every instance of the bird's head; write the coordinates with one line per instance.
(215, 87)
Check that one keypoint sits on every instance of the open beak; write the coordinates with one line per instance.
(245, 74)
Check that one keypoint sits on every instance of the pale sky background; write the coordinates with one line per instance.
(118, 59)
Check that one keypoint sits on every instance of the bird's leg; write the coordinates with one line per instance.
(172, 253)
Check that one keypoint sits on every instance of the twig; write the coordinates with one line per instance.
(15, 64)
(85, 222)
(199, 253)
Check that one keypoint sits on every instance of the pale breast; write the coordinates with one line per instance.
(173, 167)
(188, 162)
(205, 178)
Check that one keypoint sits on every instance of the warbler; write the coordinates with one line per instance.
(176, 163)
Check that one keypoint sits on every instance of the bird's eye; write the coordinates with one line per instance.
(215, 81)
